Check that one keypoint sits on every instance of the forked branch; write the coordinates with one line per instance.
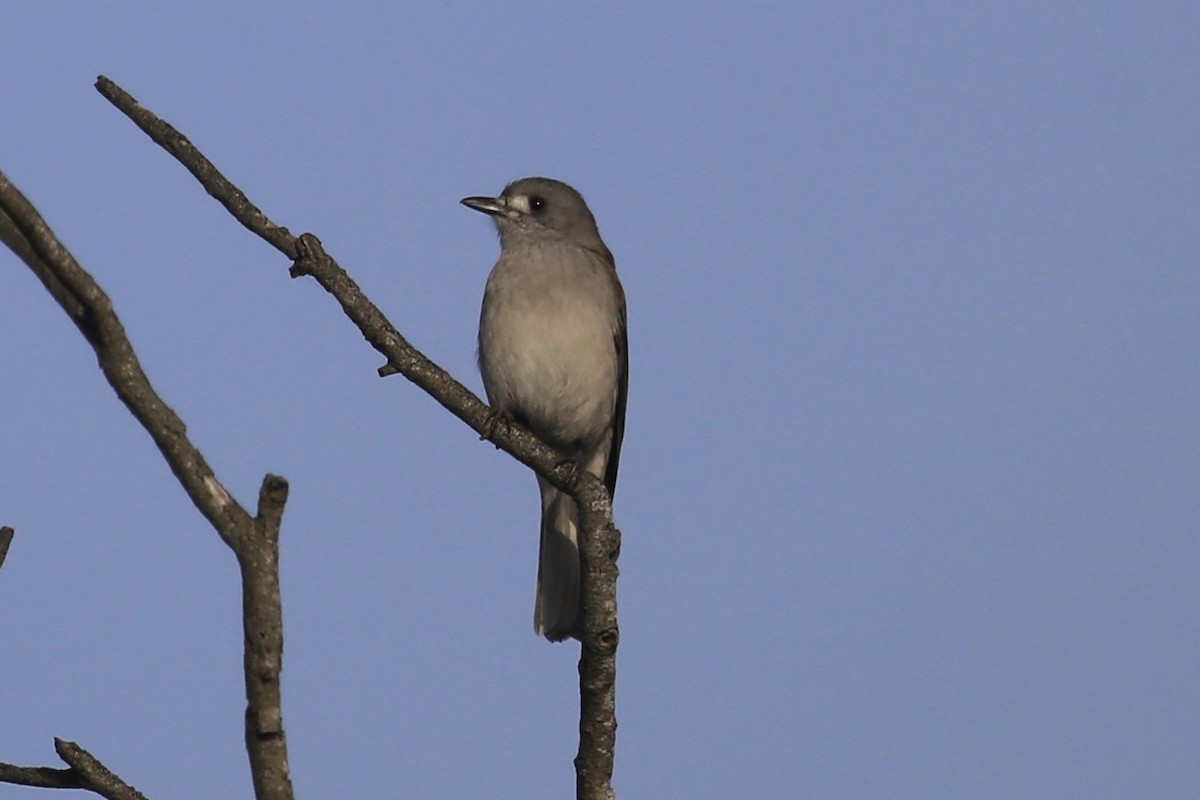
(254, 540)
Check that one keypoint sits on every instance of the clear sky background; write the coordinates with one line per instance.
(909, 491)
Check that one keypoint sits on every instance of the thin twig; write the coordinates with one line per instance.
(178, 145)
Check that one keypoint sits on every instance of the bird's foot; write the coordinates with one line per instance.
(496, 423)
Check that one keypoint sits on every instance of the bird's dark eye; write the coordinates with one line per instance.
(537, 204)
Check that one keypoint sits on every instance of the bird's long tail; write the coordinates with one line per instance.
(556, 610)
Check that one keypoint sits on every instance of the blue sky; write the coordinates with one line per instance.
(909, 489)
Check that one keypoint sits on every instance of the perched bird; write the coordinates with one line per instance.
(554, 357)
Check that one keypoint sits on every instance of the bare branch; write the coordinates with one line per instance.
(39, 777)
(86, 772)
(599, 546)
(254, 540)
(93, 775)
(92, 312)
(599, 540)
(262, 620)
(210, 178)
(15, 240)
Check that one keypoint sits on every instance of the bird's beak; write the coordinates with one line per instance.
(488, 205)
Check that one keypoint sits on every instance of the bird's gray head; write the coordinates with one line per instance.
(540, 208)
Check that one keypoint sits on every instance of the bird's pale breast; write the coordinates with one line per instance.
(550, 357)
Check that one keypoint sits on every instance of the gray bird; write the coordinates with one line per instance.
(554, 357)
